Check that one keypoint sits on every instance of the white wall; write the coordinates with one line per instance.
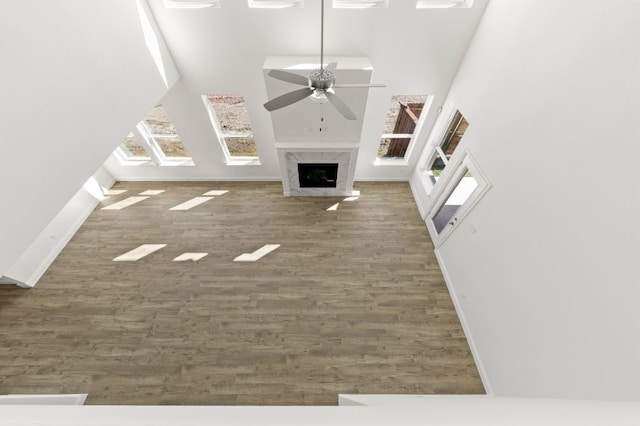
(27, 270)
(548, 284)
(76, 77)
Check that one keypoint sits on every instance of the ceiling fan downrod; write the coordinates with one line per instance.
(321, 35)
(318, 85)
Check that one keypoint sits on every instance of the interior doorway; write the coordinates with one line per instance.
(463, 190)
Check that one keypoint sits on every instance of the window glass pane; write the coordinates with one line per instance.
(436, 168)
(163, 133)
(384, 147)
(233, 124)
(401, 120)
(159, 122)
(132, 148)
(172, 147)
(452, 137)
(458, 197)
(241, 147)
(454, 134)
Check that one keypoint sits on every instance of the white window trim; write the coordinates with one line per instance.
(150, 160)
(417, 134)
(155, 157)
(229, 159)
(154, 150)
(459, 169)
(125, 160)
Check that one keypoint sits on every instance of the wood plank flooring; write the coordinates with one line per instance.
(352, 301)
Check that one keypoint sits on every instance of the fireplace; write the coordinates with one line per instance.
(335, 165)
(318, 175)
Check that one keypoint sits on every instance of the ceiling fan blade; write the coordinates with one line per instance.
(288, 99)
(340, 106)
(289, 77)
(357, 86)
(332, 66)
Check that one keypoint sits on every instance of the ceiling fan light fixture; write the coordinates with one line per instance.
(319, 97)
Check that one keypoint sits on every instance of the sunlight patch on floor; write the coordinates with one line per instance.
(124, 203)
(139, 252)
(194, 202)
(190, 256)
(333, 207)
(258, 254)
(215, 192)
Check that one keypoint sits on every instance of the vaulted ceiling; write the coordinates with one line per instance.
(224, 50)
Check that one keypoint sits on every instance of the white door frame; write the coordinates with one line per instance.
(458, 171)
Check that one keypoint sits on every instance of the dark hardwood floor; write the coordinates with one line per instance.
(352, 302)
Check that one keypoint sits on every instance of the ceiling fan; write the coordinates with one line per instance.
(319, 83)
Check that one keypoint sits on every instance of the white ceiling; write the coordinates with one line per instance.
(223, 50)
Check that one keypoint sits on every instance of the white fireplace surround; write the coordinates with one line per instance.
(290, 154)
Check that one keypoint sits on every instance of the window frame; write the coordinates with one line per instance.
(433, 147)
(416, 135)
(156, 157)
(460, 168)
(230, 160)
(122, 156)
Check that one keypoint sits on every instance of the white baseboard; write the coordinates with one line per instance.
(44, 399)
(197, 179)
(416, 198)
(379, 179)
(61, 242)
(406, 400)
(465, 326)
(10, 281)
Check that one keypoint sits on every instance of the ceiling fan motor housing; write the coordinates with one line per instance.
(322, 79)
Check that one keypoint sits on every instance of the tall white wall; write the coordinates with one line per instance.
(29, 267)
(549, 283)
(76, 76)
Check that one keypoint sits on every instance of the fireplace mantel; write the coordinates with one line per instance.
(290, 154)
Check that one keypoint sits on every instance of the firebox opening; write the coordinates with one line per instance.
(318, 175)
